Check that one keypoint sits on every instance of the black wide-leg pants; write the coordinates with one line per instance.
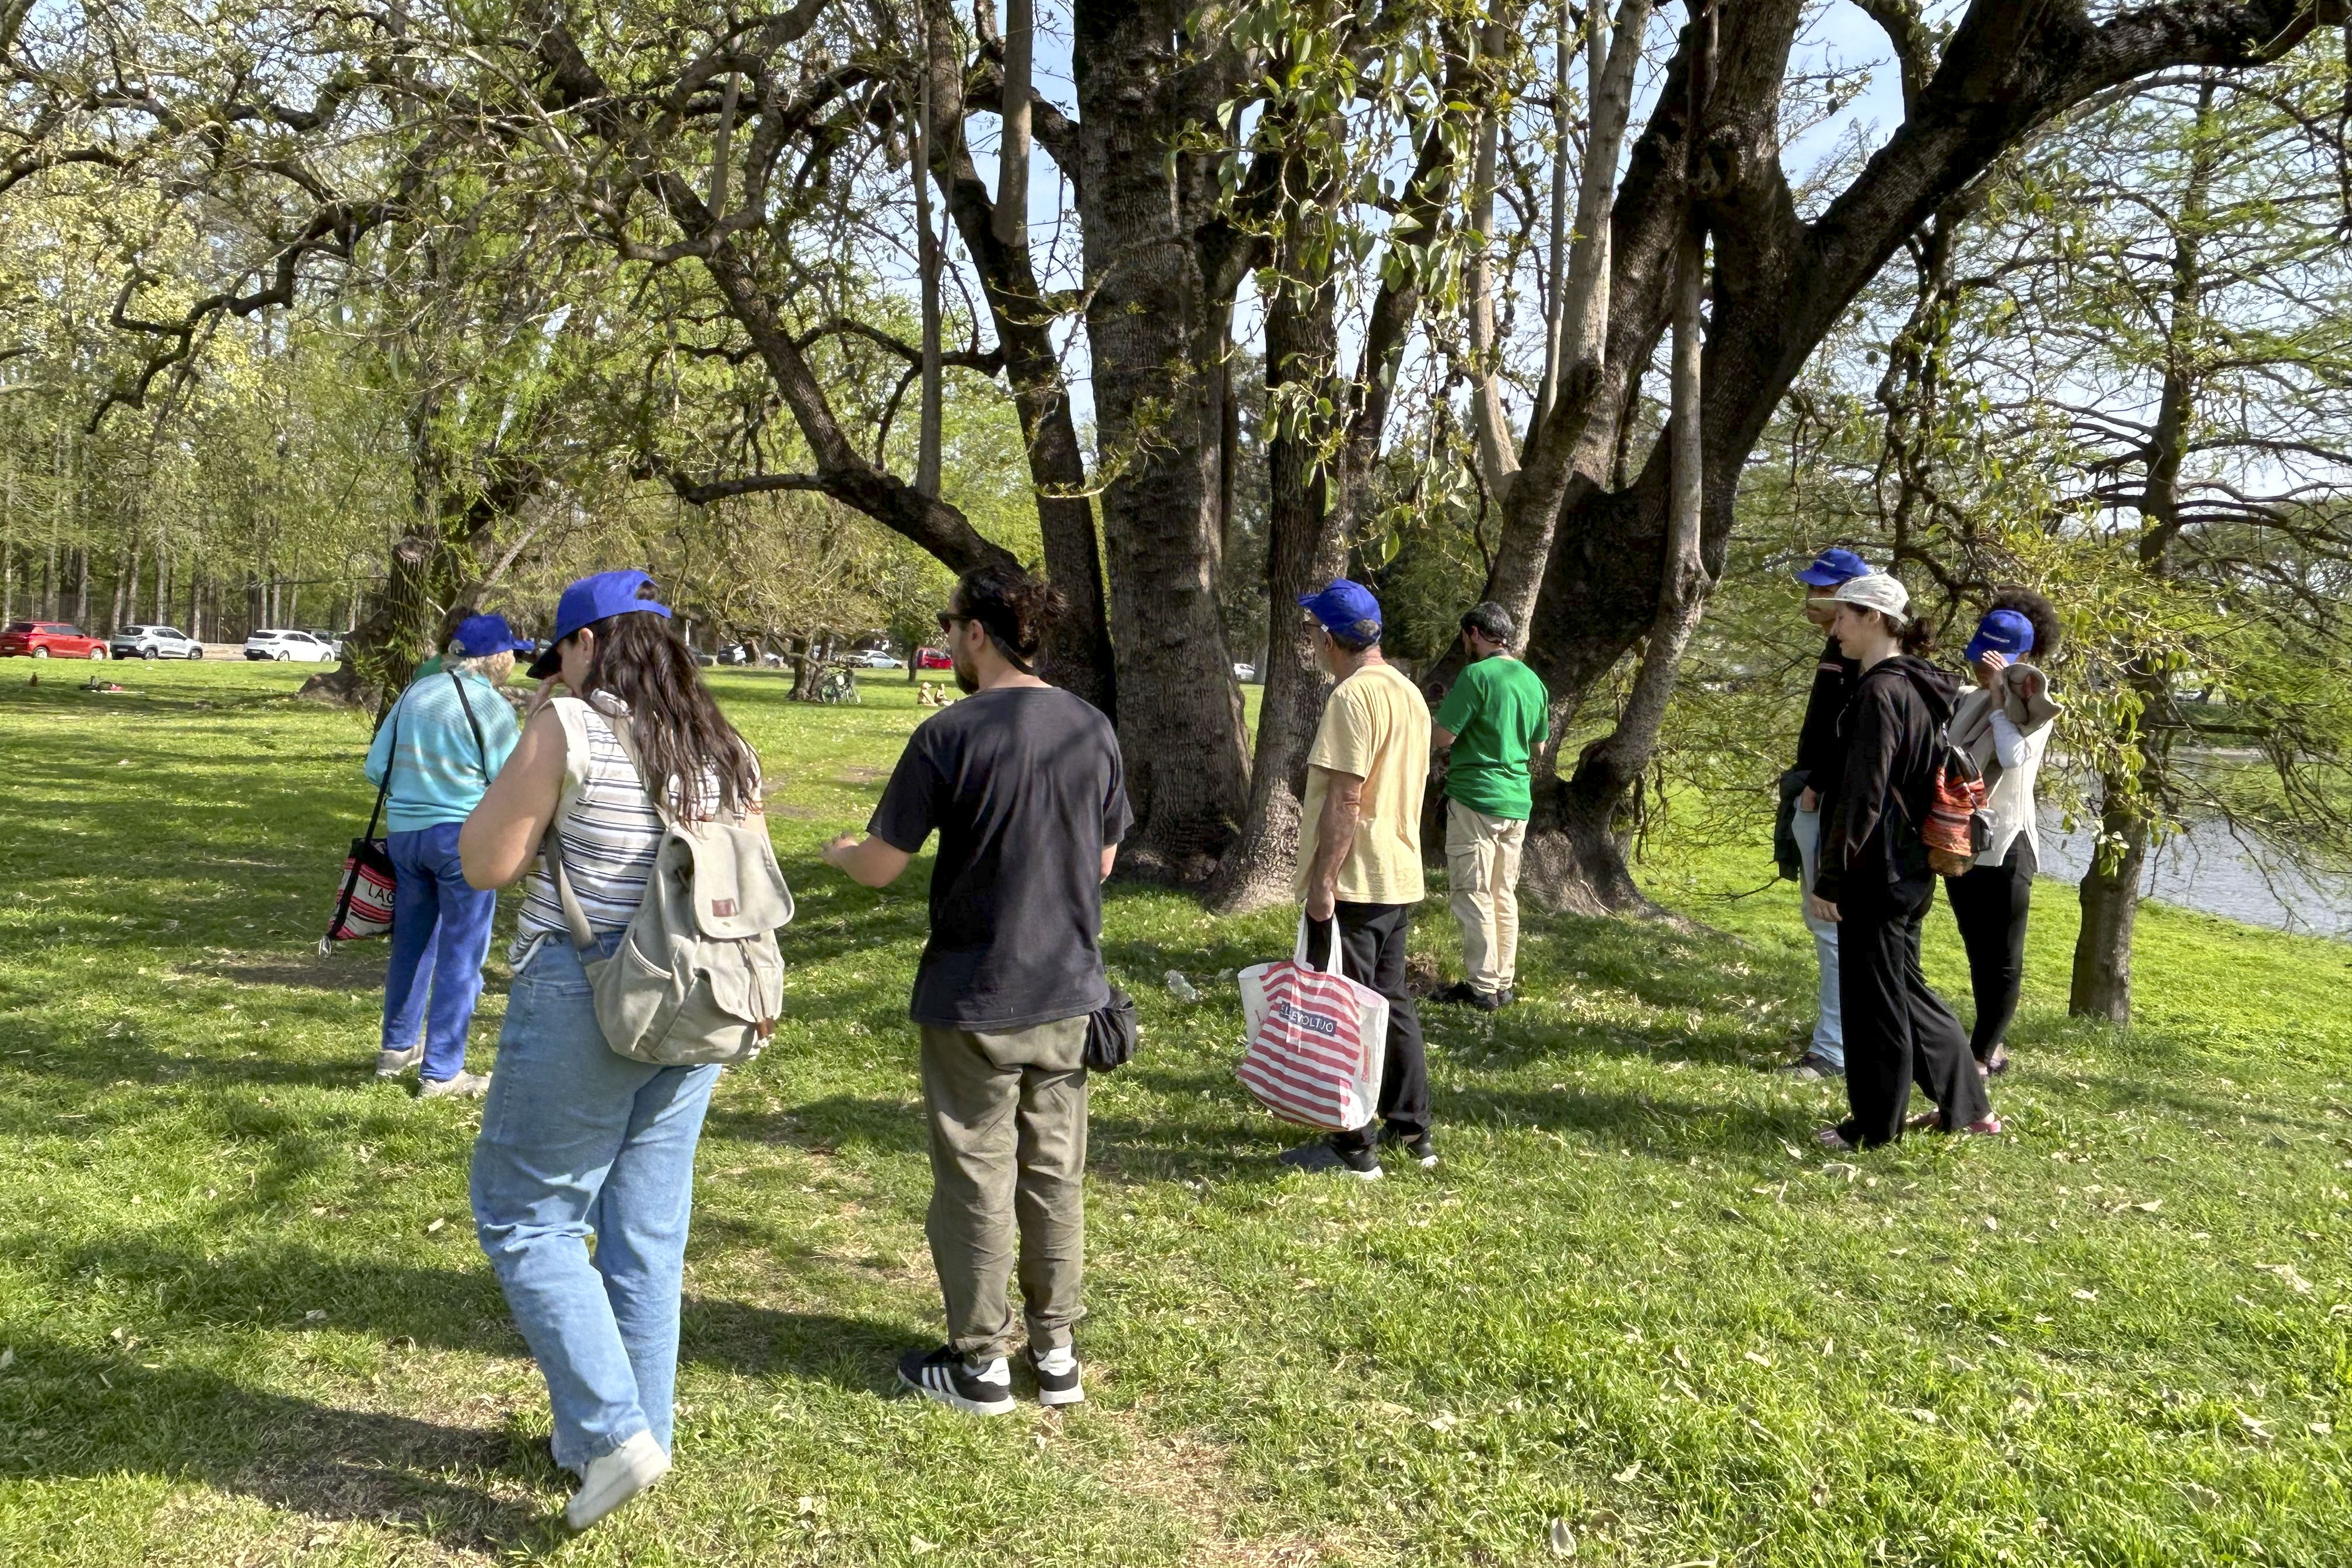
(1898, 1032)
(1990, 904)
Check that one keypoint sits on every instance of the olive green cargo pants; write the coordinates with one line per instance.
(1008, 1115)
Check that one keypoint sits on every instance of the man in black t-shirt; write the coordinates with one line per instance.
(1024, 783)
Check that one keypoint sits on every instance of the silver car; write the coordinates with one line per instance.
(153, 642)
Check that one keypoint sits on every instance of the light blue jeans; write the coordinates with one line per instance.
(1829, 1026)
(577, 1140)
(440, 936)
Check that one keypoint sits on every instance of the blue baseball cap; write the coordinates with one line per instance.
(1831, 567)
(2004, 632)
(478, 636)
(1346, 608)
(592, 599)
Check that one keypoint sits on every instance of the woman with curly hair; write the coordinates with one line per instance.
(2005, 724)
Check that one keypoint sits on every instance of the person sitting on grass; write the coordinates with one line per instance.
(441, 744)
(1025, 786)
(577, 1138)
(1875, 883)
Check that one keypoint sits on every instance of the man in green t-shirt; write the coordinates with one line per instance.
(1492, 721)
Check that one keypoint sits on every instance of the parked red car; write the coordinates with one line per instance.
(932, 658)
(47, 639)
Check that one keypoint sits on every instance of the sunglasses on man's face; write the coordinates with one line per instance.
(947, 620)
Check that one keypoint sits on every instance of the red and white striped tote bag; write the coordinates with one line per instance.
(1316, 1040)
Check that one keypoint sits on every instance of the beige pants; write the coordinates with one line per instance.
(1482, 862)
(1008, 1115)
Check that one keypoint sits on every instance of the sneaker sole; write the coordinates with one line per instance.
(1052, 1397)
(581, 1515)
(955, 1401)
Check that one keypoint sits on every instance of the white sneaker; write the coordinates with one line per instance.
(464, 1086)
(391, 1064)
(614, 1478)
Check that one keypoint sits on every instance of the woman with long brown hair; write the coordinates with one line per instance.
(575, 1138)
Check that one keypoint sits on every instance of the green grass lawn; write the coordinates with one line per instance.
(1636, 1315)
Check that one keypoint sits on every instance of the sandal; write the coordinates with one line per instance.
(1996, 1064)
(1985, 1126)
(1925, 1122)
(1833, 1140)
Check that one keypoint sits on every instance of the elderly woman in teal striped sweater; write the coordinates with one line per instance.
(441, 744)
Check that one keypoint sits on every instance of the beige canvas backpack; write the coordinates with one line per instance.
(697, 976)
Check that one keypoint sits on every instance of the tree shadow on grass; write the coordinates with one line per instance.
(70, 1412)
(827, 1126)
(276, 1289)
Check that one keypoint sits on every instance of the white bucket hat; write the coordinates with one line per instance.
(1879, 592)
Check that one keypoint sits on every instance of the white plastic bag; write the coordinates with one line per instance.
(1317, 1040)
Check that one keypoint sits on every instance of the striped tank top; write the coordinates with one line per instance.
(606, 827)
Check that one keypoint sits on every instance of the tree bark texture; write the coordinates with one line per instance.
(1159, 292)
(1077, 651)
(1305, 548)
(1320, 472)
(2110, 899)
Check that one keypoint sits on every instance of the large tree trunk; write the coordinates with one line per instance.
(1318, 506)
(1077, 651)
(1156, 313)
(1306, 547)
(2110, 896)
(1579, 860)
(2102, 987)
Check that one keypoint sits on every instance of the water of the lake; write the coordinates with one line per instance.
(2206, 869)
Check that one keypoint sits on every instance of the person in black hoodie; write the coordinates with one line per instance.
(1874, 880)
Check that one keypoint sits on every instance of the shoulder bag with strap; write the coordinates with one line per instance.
(363, 906)
(697, 976)
(481, 750)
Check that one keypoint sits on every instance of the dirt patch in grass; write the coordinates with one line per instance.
(1192, 1478)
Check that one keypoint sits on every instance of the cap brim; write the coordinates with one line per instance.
(545, 665)
(1821, 577)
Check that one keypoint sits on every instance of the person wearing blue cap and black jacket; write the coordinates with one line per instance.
(1875, 886)
(1821, 755)
(440, 746)
(1360, 860)
(2004, 724)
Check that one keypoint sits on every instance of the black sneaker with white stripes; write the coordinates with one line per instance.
(983, 1388)
(1057, 1376)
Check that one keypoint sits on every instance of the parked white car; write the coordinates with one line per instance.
(300, 646)
(155, 642)
(872, 658)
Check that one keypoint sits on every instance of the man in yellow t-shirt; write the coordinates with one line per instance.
(1360, 860)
